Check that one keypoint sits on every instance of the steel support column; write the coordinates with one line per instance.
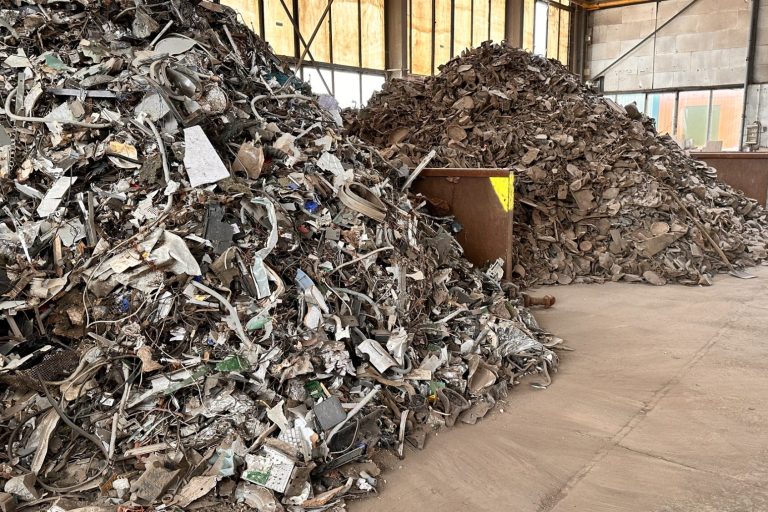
(513, 23)
(396, 52)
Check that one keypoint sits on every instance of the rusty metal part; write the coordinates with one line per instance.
(472, 200)
(747, 172)
(546, 301)
(51, 368)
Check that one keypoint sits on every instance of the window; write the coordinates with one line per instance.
(372, 36)
(547, 28)
(638, 99)
(696, 119)
(350, 88)
(692, 118)
(309, 15)
(725, 119)
(312, 77)
(661, 107)
(441, 29)
(347, 88)
(370, 85)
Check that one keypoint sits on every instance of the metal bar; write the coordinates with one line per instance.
(472, 23)
(79, 93)
(754, 13)
(709, 117)
(360, 51)
(359, 37)
(453, 27)
(434, 22)
(490, 12)
(340, 67)
(608, 4)
(583, 42)
(677, 89)
(644, 40)
(410, 36)
(406, 37)
(450, 172)
(676, 114)
(296, 28)
(262, 23)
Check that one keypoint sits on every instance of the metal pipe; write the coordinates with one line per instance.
(580, 38)
(644, 40)
(748, 73)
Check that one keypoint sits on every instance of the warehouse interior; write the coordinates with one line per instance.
(686, 64)
(375, 255)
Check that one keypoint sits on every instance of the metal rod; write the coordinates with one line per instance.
(754, 13)
(709, 118)
(605, 5)
(644, 40)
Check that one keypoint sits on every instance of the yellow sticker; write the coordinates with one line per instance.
(505, 191)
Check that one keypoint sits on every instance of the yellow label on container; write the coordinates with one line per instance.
(505, 191)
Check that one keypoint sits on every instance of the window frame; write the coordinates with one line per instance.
(675, 133)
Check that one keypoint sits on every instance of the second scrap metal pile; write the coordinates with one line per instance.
(209, 293)
(600, 195)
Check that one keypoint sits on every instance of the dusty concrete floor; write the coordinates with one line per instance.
(662, 408)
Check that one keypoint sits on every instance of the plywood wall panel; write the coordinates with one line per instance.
(278, 30)
(309, 15)
(442, 32)
(421, 37)
(498, 20)
(480, 30)
(249, 10)
(372, 37)
(462, 35)
(346, 35)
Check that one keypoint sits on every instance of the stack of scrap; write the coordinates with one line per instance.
(600, 194)
(209, 294)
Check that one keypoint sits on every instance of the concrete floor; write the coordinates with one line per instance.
(661, 408)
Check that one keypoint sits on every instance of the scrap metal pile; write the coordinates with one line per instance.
(209, 295)
(600, 195)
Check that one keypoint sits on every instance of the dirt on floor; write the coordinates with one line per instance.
(661, 408)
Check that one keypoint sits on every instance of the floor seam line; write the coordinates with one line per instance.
(636, 418)
(686, 466)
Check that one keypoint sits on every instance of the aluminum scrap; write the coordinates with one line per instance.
(175, 312)
(600, 194)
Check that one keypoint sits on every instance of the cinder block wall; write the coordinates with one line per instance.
(706, 46)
